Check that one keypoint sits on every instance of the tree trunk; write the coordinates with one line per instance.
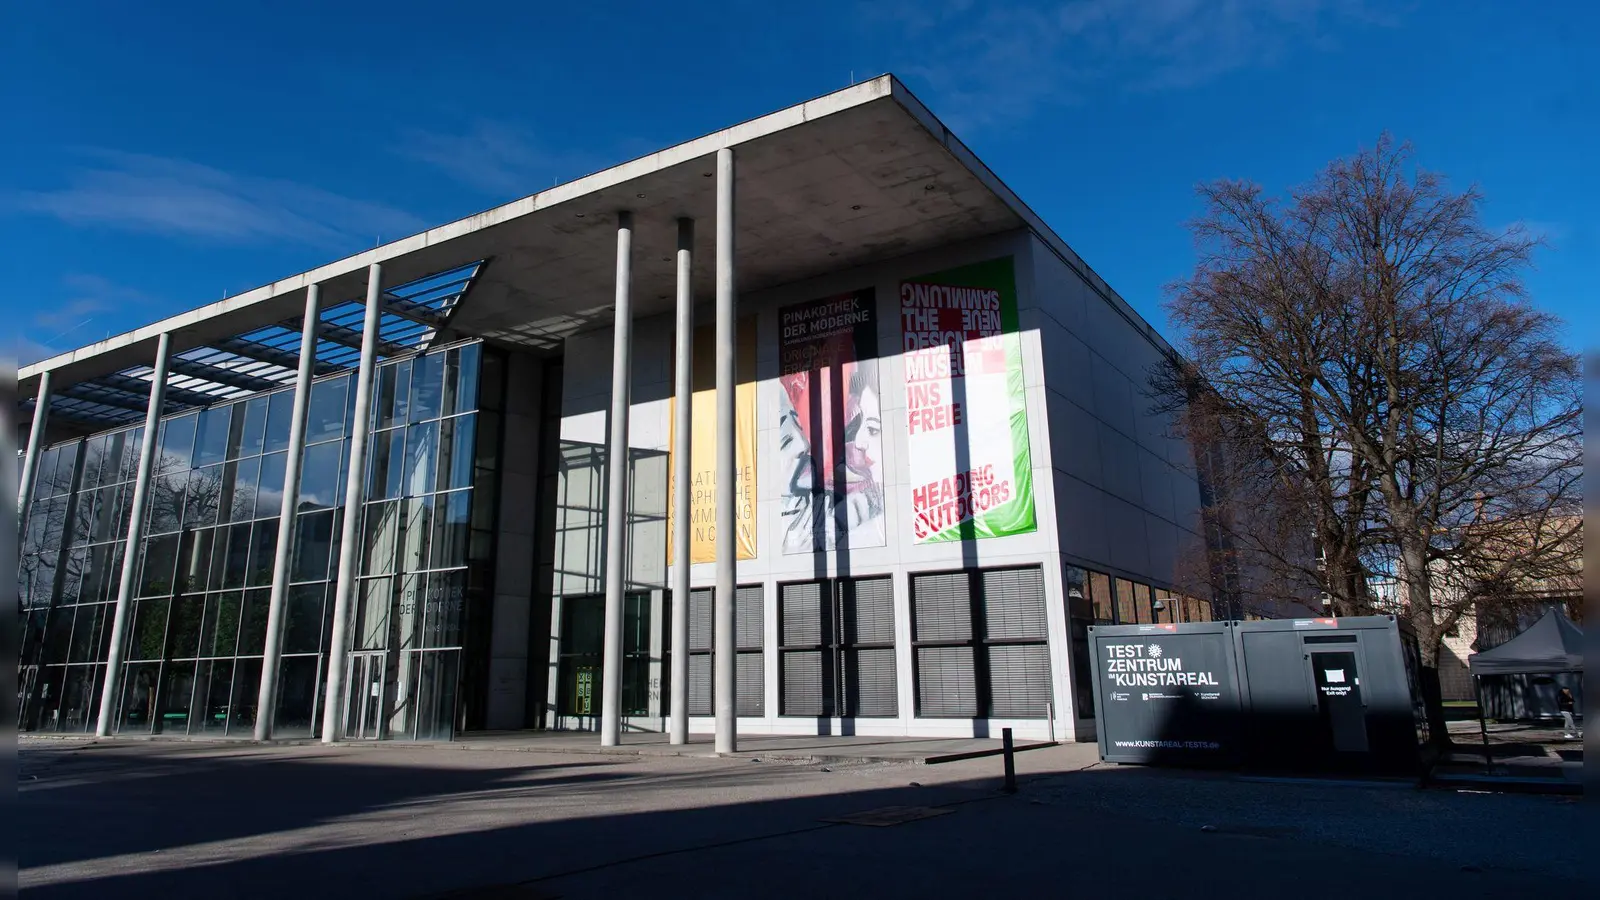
(1430, 635)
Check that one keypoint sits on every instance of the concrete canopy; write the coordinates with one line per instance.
(863, 173)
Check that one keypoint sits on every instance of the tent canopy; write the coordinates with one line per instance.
(1552, 644)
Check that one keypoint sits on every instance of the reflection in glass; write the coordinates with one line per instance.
(172, 705)
(427, 373)
(149, 629)
(160, 558)
(219, 634)
(166, 501)
(212, 445)
(297, 697)
(379, 543)
(421, 447)
(263, 552)
(319, 476)
(269, 495)
(387, 468)
(246, 696)
(302, 631)
(372, 614)
(194, 560)
(236, 559)
(213, 680)
(313, 546)
(177, 444)
(280, 407)
(138, 696)
(452, 529)
(325, 414)
(253, 622)
(455, 452)
(86, 632)
(205, 492)
(239, 501)
(183, 627)
(252, 428)
(416, 533)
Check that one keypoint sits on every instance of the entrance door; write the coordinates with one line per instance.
(364, 702)
(1339, 701)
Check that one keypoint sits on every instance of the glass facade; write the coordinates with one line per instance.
(198, 619)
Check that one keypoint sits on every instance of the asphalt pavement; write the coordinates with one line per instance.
(181, 819)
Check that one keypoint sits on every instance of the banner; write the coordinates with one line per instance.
(966, 411)
(830, 425)
(703, 446)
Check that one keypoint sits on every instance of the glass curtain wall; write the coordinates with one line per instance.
(203, 582)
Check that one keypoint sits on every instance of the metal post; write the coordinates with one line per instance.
(30, 463)
(272, 654)
(130, 552)
(681, 474)
(1011, 762)
(1483, 726)
(617, 488)
(727, 523)
(355, 492)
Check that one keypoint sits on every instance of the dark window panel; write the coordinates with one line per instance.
(184, 626)
(213, 683)
(302, 631)
(313, 546)
(139, 690)
(166, 499)
(246, 695)
(219, 633)
(387, 469)
(298, 681)
(155, 571)
(149, 635)
(451, 529)
(91, 618)
(253, 623)
(236, 562)
(263, 551)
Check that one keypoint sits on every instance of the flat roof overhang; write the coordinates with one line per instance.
(860, 174)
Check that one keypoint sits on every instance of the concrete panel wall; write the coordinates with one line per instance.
(1114, 489)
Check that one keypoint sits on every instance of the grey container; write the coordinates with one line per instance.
(1167, 694)
(1331, 695)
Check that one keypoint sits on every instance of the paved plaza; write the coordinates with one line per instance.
(178, 818)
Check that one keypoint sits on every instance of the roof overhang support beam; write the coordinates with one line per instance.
(138, 387)
(262, 353)
(244, 381)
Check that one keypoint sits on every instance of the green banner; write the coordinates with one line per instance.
(966, 408)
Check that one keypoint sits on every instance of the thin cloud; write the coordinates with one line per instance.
(998, 62)
(137, 192)
(493, 157)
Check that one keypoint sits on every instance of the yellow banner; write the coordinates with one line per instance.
(703, 447)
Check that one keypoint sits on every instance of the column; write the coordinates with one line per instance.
(30, 463)
(724, 638)
(617, 489)
(130, 553)
(355, 494)
(272, 655)
(681, 476)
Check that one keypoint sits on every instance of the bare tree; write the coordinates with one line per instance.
(1365, 357)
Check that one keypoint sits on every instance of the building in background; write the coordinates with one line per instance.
(945, 465)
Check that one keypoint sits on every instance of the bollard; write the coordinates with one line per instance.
(1011, 763)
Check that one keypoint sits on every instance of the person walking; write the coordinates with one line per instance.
(1569, 726)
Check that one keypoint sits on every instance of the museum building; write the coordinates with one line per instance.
(887, 452)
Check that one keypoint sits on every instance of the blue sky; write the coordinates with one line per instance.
(160, 161)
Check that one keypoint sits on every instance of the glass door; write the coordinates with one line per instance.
(364, 701)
